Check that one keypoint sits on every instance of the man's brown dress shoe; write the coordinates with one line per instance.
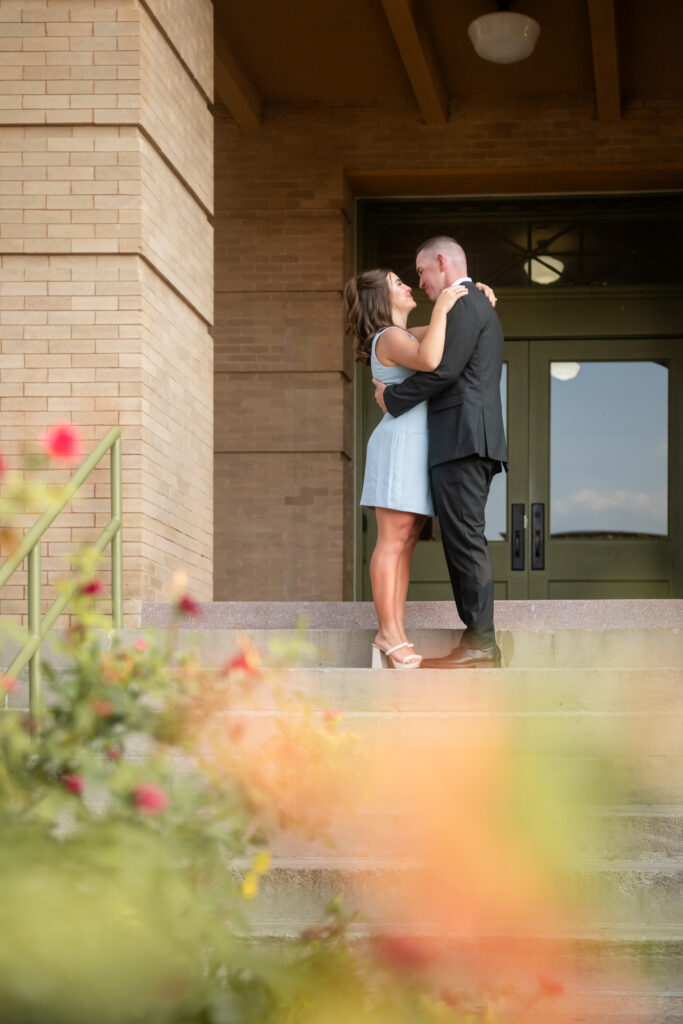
(467, 657)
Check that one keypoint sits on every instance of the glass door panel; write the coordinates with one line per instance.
(599, 494)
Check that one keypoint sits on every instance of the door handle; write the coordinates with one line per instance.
(517, 530)
(538, 536)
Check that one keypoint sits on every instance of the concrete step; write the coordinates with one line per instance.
(640, 614)
(612, 833)
(521, 648)
(351, 648)
(620, 894)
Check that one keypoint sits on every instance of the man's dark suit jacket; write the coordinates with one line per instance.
(464, 414)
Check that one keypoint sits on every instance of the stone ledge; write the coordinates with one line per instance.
(626, 614)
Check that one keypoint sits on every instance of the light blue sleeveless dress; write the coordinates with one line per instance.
(396, 469)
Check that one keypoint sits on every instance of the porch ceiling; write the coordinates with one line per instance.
(340, 51)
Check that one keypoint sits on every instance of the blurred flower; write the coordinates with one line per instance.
(260, 866)
(105, 708)
(549, 986)
(333, 716)
(2, 464)
(114, 753)
(140, 645)
(248, 660)
(74, 783)
(62, 442)
(8, 683)
(92, 587)
(404, 952)
(150, 798)
(188, 606)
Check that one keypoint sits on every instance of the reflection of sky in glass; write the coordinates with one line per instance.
(497, 502)
(608, 449)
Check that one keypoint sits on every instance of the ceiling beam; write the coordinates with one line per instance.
(233, 86)
(605, 58)
(418, 59)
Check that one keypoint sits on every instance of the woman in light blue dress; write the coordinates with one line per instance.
(396, 480)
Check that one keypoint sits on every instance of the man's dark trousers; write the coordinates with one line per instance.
(460, 488)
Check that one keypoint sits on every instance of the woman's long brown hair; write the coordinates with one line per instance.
(368, 309)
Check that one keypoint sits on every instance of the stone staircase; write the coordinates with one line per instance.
(591, 691)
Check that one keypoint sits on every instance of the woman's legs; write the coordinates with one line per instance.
(403, 577)
(389, 569)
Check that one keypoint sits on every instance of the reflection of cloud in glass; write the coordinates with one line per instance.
(608, 465)
(647, 511)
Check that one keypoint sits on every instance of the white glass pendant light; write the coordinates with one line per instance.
(504, 37)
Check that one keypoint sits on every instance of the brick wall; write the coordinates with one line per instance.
(106, 278)
(284, 247)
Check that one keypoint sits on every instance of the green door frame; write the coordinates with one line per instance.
(629, 320)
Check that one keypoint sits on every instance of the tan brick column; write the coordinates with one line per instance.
(284, 393)
(106, 264)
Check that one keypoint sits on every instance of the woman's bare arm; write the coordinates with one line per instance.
(488, 291)
(397, 348)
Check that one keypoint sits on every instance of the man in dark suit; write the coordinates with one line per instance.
(466, 442)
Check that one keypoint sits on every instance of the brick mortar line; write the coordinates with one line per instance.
(167, 38)
(156, 146)
(117, 256)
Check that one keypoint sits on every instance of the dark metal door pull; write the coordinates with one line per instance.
(538, 534)
(517, 530)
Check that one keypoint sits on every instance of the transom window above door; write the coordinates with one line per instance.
(582, 242)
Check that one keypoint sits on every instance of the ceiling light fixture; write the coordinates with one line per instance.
(504, 37)
(544, 269)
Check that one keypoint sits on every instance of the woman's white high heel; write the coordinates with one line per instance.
(381, 658)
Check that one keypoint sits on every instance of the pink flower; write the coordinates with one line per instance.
(549, 986)
(246, 661)
(93, 587)
(114, 753)
(2, 464)
(74, 783)
(150, 798)
(8, 683)
(62, 442)
(404, 952)
(141, 645)
(187, 606)
(332, 716)
(103, 707)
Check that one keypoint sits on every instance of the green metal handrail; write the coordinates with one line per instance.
(40, 625)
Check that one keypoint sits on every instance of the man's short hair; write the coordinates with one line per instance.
(444, 244)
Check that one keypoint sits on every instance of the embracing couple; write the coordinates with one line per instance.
(439, 445)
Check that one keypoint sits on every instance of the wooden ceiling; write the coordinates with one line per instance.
(339, 51)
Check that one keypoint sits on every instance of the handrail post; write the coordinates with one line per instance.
(35, 682)
(116, 541)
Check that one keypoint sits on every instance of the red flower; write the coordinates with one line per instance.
(2, 463)
(103, 707)
(187, 606)
(114, 753)
(8, 683)
(549, 986)
(93, 587)
(404, 952)
(140, 645)
(74, 783)
(236, 730)
(150, 798)
(246, 661)
(62, 442)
